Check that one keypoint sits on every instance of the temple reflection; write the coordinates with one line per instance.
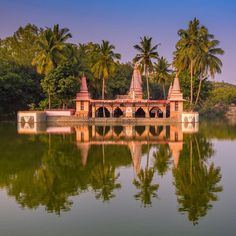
(134, 137)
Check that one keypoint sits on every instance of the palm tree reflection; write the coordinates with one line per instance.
(196, 182)
(144, 184)
(103, 180)
(162, 159)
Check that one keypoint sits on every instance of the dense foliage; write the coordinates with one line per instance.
(19, 87)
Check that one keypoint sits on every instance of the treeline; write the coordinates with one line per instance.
(41, 69)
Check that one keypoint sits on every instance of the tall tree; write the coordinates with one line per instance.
(52, 45)
(147, 52)
(187, 50)
(208, 62)
(162, 73)
(21, 46)
(104, 63)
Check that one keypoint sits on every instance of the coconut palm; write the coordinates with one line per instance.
(51, 49)
(104, 63)
(187, 50)
(147, 52)
(208, 62)
(162, 73)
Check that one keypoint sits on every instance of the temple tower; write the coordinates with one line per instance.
(135, 90)
(83, 100)
(175, 97)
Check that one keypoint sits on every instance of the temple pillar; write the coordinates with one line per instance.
(147, 115)
(164, 112)
(111, 112)
(93, 111)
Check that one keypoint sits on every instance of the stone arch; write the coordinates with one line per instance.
(140, 112)
(118, 112)
(156, 112)
(99, 112)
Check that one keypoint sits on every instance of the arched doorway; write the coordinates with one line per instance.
(140, 113)
(156, 112)
(118, 112)
(99, 112)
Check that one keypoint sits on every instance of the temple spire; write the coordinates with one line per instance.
(83, 94)
(135, 90)
(175, 93)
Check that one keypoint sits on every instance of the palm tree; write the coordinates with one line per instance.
(51, 49)
(147, 52)
(104, 63)
(162, 73)
(208, 62)
(187, 50)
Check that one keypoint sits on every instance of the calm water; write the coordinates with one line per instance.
(120, 180)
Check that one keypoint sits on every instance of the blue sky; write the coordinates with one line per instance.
(123, 22)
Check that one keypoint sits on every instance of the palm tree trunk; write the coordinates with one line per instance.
(164, 92)
(191, 85)
(147, 81)
(191, 160)
(49, 100)
(198, 92)
(103, 89)
(148, 94)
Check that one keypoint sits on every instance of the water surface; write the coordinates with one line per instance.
(118, 180)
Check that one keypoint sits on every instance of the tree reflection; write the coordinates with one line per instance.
(103, 181)
(162, 159)
(144, 184)
(196, 182)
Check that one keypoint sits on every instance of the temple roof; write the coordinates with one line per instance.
(83, 94)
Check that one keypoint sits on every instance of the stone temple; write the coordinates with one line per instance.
(131, 105)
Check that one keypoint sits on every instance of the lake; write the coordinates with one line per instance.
(118, 180)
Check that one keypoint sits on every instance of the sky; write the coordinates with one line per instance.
(123, 22)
